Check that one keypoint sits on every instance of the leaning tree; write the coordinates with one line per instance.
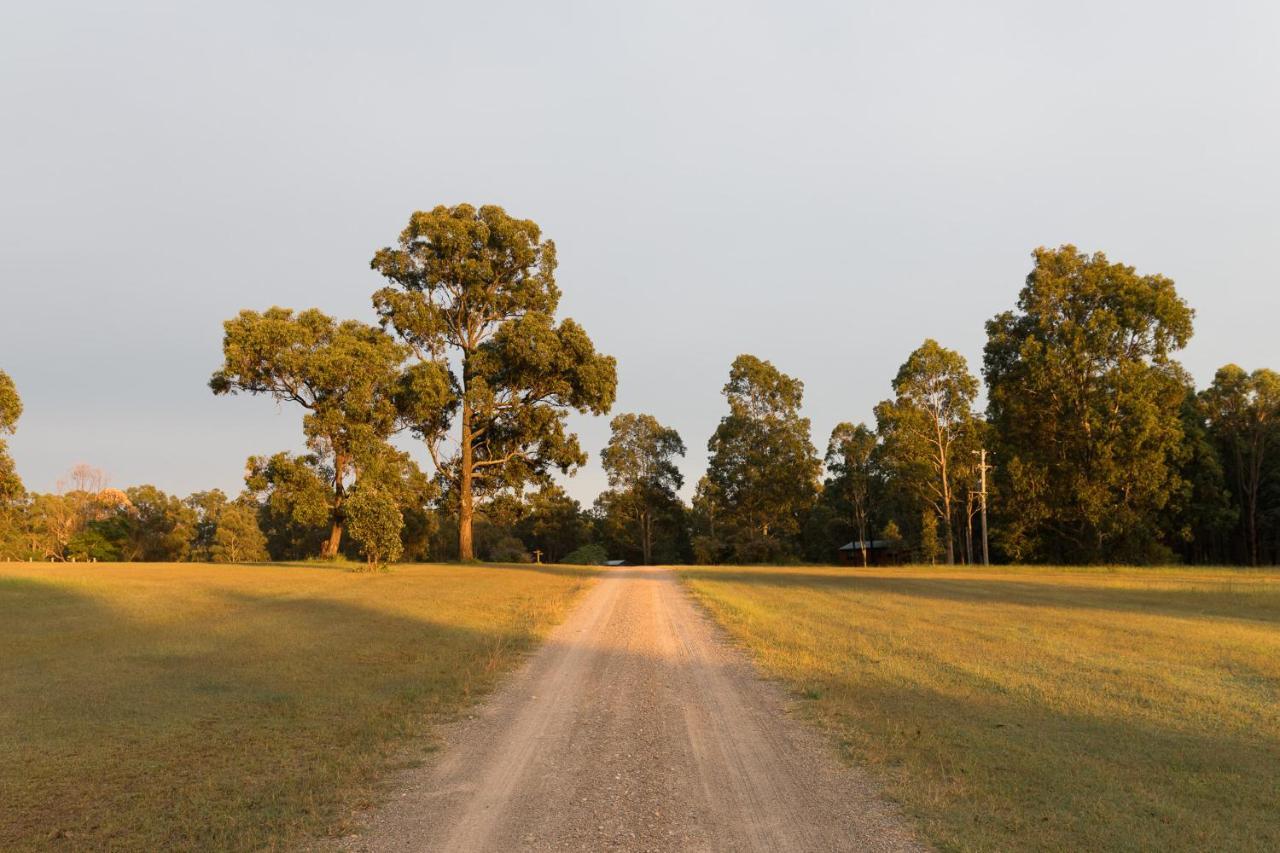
(473, 292)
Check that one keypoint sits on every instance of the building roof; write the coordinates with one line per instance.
(873, 545)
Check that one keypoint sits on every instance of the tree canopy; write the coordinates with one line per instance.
(10, 410)
(1243, 412)
(851, 465)
(762, 475)
(350, 379)
(927, 422)
(640, 463)
(479, 285)
(1084, 400)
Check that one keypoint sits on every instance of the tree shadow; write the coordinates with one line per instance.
(1245, 601)
(260, 719)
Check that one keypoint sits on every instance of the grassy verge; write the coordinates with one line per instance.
(1036, 709)
(150, 707)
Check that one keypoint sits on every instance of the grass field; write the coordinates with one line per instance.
(197, 707)
(1036, 708)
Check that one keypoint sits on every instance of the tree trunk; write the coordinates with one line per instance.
(1253, 525)
(466, 505)
(862, 536)
(646, 537)
(330, 548)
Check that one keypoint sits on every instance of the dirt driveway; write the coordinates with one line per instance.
(635, 727)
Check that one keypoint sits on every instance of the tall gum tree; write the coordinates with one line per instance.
(763, 470)
(640, 463)
(474, 294)
(347, 375)
(850, 460)
(929, 419)
(1084, 400)
(1243, 410)
(10, 410)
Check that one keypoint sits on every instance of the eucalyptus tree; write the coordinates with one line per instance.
(350, 379)
(1243, 411)
(1084, 399)
(851, 463)
(10, 410)
(763, 470)
(640, 463)
(473, 293)
(927, 427)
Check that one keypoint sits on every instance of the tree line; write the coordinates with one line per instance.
(1100, 448)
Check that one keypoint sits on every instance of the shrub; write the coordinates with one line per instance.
(508, 549)
(374, 520)
(587, 555)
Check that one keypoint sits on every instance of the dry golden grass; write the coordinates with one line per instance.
(196, 707)
(1036, 709)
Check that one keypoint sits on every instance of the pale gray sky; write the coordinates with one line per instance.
(821, 184)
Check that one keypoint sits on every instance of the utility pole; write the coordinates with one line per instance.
(982, 467)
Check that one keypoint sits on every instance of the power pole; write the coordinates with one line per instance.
(982, 467)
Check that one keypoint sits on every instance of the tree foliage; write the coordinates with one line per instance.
(929, 429)
(376, 522)
(853, 472)
(640, 463)
(1084, 400)
(762, 475)
(1243, 414)
(480, 285)
(11, 488)
(348, 377)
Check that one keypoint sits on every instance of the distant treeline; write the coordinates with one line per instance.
(1097, 447)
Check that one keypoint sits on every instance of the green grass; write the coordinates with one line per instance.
(1036, 709)
(184, 706)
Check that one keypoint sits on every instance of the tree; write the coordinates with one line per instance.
(1204, 512)
(851, 463)
(1243, 412)
(763, 470)
(1084, 401)
(640, 463)
(926, 423)
(348, 378)
(55, 525)
(552, 523)
(929, 536)
(157, 527)
(236, 536)
(376, 522)
(481, 284)
(10, 410)
(206, 508)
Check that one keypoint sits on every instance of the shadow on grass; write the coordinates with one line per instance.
(257, 721)
(985, 772)
(1250, 602)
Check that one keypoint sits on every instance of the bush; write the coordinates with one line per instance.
(508, 549)
(375, 521)
(587, 555)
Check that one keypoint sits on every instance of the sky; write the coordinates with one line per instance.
(823, 185)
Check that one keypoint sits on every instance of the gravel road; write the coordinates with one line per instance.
(636, 726)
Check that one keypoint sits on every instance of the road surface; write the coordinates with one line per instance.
(636, 726)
